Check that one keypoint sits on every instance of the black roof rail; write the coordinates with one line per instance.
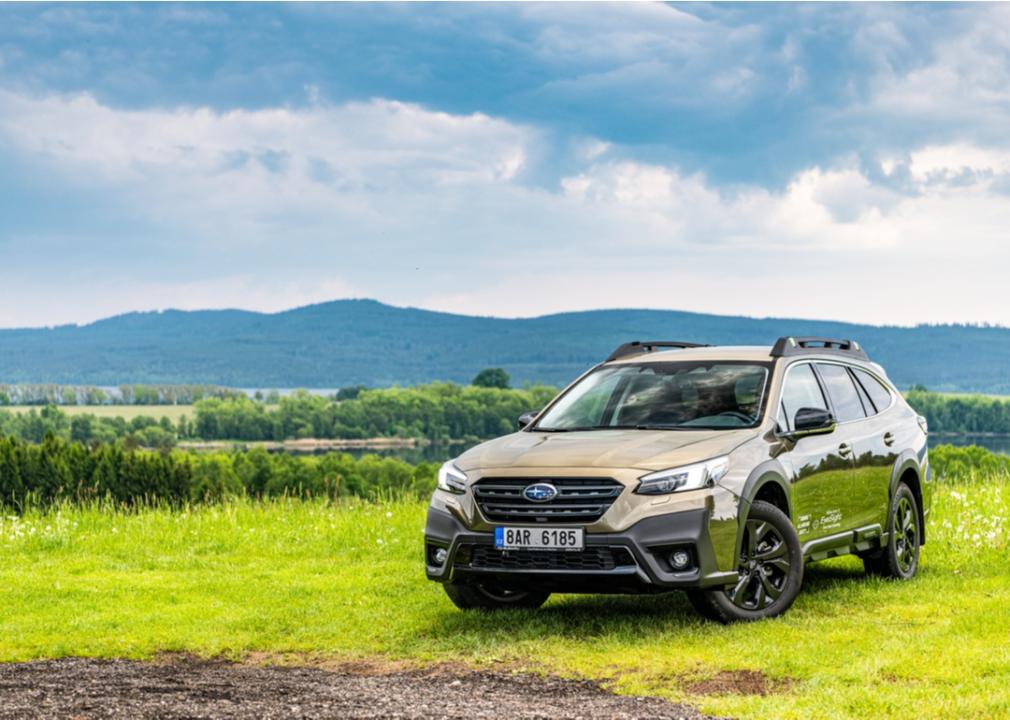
(638, 347)
(803, 345)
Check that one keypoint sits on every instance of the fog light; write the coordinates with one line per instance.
(440, 556)
(680, 559)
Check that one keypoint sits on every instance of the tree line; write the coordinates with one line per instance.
(56, 470)
(438, 412)
(962, 414)
(51, 394)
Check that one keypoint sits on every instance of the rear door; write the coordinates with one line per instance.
(882, 438)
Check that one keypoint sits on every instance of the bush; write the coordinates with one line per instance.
(56, 470)
(214, 479)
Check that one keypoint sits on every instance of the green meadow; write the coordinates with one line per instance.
(316, 581)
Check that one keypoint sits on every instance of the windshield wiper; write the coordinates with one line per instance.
(586, 428)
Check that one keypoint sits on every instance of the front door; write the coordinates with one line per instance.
(821, 465)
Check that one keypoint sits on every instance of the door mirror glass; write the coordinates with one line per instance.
(526, 418)
(813, 421)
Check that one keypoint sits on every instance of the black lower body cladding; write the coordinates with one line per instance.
(634, 561)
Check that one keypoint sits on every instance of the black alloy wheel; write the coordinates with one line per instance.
(899, 558)
(764, 567)
(770, 571)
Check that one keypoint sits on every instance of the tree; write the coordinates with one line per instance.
(350, 393)
(491, 378)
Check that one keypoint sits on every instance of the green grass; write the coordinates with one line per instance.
(346, 581)
(127, 412)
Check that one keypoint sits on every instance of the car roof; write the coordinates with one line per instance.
(718, 352)
(756, 353)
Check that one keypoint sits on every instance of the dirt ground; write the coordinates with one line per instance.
(187, 688)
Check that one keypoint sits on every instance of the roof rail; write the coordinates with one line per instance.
(802, 345)
(637, 347)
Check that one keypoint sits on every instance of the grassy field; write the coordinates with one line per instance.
(127, 412)
(310, 581)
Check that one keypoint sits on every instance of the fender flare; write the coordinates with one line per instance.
(906, 461)
(770, 471)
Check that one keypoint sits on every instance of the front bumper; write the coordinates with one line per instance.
(633, 561)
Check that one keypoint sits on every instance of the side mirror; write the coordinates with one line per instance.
(526, 418)
(812, 421)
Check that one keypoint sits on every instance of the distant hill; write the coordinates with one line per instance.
(349, 342)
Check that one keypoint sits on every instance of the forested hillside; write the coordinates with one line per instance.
(351, 342)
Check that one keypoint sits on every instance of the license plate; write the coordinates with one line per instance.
(538, 538)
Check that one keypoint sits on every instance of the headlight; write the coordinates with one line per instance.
(451, 479)
(687, 477)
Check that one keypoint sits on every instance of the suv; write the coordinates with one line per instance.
(675, 466)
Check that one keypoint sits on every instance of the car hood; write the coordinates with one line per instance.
(642, 449)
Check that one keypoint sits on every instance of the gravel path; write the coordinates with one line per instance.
(186, 688)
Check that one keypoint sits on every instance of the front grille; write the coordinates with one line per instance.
(581, 500)
(487, 557)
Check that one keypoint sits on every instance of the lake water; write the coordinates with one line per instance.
(994, 444)
(414, 455)
(441, 453)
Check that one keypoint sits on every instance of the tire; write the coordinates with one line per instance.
(899, 559)
(490, 596)
(771, 571)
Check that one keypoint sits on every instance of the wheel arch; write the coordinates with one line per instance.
(766, 482)
(907, 470)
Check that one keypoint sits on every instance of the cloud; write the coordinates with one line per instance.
(968, 71)
(391, 141)
(279, 206)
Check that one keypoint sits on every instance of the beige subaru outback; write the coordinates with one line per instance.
(671, 466)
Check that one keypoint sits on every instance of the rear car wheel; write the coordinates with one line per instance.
(492, 596)
(899, 559)
(770, 571)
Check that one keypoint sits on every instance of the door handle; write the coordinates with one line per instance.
(889, 439)
(844, 449)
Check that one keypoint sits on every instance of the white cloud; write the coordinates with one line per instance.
(386, 139)
(966, 78)
(961, 164)
(278, 207)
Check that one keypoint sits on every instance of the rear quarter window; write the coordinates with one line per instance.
(879, 395)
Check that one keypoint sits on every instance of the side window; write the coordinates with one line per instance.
(879, 394)
(801, 391)
(842, 391)
(867, 405)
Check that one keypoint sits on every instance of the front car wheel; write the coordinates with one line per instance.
(770, 571)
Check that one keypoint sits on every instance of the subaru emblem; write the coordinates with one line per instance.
(540, 492)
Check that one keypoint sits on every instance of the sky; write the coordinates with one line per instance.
(847, 162)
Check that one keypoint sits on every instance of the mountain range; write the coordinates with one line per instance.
(352, 342)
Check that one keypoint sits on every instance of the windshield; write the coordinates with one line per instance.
(664, 396)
